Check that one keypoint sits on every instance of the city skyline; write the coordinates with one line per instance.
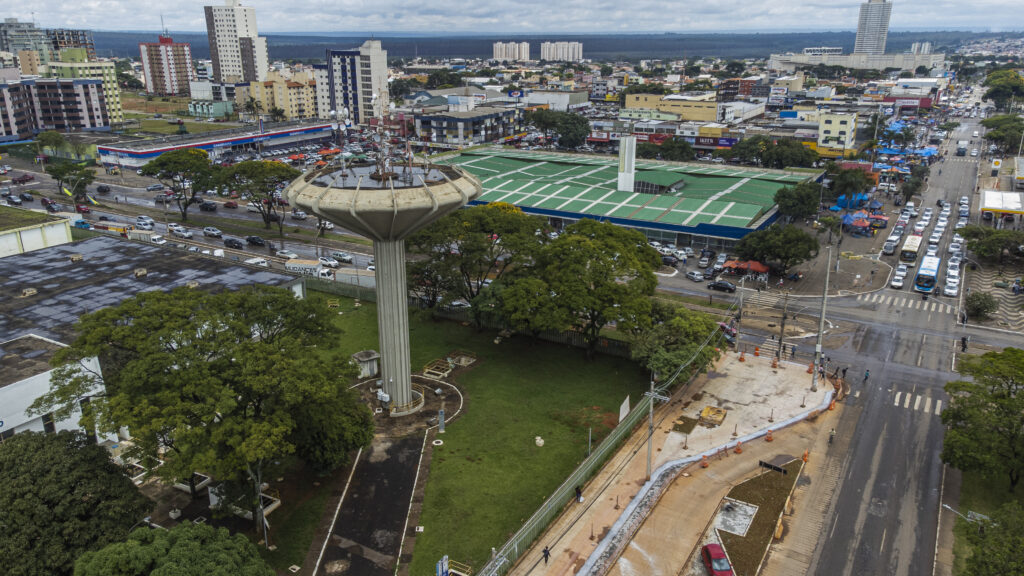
(598, 16)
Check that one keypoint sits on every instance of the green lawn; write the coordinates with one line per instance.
(982, 495)
(489, 476)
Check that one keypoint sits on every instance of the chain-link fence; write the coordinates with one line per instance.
(521, 541)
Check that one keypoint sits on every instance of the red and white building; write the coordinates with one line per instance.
(167, 66)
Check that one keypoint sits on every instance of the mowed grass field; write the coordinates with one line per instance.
(489, 476)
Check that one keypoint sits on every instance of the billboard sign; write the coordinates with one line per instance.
(515, 93)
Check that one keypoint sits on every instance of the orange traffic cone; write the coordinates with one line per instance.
(757, 351)
(704, 461)
(832, 404)
(769, 438)
(739, 447)
(775, 362)
(806, 455)
(742, 359)
(810, 368)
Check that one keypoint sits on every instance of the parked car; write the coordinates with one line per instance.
(715, 561)
(211, 231)
(722, 286)
(231, 204)
(695, 275)
(23, 179)
(669, 260)
(299, 215)
(154, 187)
(234, 243)
(255, 241)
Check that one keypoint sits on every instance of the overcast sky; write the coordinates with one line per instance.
(522, 16)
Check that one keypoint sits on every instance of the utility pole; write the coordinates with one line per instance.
(821, 328)
(650, 424)
(782, 325)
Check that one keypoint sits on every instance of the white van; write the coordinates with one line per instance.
(258, 262)
(975, 133)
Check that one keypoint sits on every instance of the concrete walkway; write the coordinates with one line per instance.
(752, 392)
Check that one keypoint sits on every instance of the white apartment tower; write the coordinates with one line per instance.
(238, 52)
(511, 51)
(873, 27)
(357, 81)
(561, 51)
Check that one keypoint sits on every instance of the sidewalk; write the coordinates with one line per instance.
(752, 393)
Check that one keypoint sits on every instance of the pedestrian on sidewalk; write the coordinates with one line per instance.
(831, 435)
(867, 374)
(547, 554)
(792, 351)
(579, 494)
(844, 374)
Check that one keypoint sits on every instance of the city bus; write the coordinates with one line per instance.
(927, 274)
(911, 247)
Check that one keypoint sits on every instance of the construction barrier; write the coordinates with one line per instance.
(757, 351)
(704, 461)
(768, 437)
(742, 359)
(739, 447)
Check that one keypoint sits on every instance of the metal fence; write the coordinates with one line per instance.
(521, 541)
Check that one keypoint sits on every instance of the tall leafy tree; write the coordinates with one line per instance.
(676, 339)
(985, 416)
(185, 550)
(573, 130)
(213, 382)
(600, 273)
(800, 201)
(992, 244)
(849, 182)
(186, 172)
(60, 495)
(997, 547)
(50, 140)
(528, 303)
(783, 246)
(260, 183)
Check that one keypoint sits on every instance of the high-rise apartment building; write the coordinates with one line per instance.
(511, 51)
(36, 105)
(75, 64)
(357, 80)
(873, 27)
(66, 38)
(19, 36)
(561, 51)
(921, 48)
(238, 52)
(167, 66)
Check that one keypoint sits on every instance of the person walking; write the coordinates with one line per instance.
(579, 494)
(547, 554)
(867, 374)
(831, 436)
(844, 374)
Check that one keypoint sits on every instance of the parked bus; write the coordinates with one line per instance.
(910, 249)
(927, 274)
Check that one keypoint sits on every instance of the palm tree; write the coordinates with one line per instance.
(277, 114)
(253, 106)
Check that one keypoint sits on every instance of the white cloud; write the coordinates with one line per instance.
(525, 16)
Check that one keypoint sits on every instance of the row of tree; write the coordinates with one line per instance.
(572, 129)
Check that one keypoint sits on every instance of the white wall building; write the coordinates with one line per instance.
(238, 52)
(873, 27)
(837, 133)
(357, 81)
(511, 51)
(49, 231)
(561, 51)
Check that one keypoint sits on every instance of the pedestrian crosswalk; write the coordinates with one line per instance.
(917, 403)
(762, 298)
(884, 299)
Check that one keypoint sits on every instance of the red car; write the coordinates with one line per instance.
(715, 560)
(23, 179)
(231, 204)
(82, 209)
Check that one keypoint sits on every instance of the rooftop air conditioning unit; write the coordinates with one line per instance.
(140, 272)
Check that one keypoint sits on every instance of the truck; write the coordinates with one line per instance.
(961, 148)
(309, 268)
(143, 235)
(1018, 173)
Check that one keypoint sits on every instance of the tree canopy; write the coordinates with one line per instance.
(676, 338)
(60, 495)
(185, 550)
(997, 547)
(991, 244)
(773, 153)
(985, 416)
(800, 201)
(1004, 131)
(72, 178)
(1003, 85)
(849, 182)
(783, 246)
(673, 150)
(218, 381)
(186, 171)
(259, 182)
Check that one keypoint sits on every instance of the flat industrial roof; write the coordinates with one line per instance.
(25, 357)
(717, 200)
(105, 276)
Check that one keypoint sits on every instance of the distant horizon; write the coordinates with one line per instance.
(407, 33)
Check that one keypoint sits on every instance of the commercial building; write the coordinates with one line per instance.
(295, 96)
(24, 231)
(238, 52)
(697, 107)
(873, 27)
(837, 134)
(30, 63)
(819, 50)
(35, 105)
(791, 62)
(511, 51)
(559, 100)
(357, 83)
(467, 128)
(210, 108)
(167, 66)
(921, 48)
(561, 51)
(63, 38)
(74, 63)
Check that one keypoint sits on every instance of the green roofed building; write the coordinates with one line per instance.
(685, 204)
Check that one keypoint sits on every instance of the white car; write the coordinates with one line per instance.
(181, 232)
(329, 262)
(953, 271)
(933, 250)
(927, 214)
(902, 270)
(286, 254)
(944, 215)
(926, 220)
(951, 290)
(952, 280)
(919, 227)
(965, 201)
(211, 231)
(935, 237)
(954, 247)
(958, 238)
(955, 259)
(897, 282)
(943, 220)
(961, 223)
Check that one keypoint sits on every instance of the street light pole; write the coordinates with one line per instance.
(821, 328)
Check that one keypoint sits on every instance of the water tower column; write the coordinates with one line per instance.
(393, 319)
(627, 163)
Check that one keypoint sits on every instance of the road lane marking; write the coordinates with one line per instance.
(906, 401)
(917, 403)
(938, 406)
(896, 402)
(927, 404)
(856, 394)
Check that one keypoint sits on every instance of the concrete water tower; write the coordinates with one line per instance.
(387, 204)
